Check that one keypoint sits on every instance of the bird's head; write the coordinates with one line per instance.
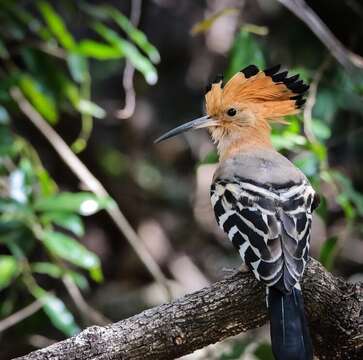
(240, 111)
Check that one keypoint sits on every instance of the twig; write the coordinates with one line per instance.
(128, 76)
(344, 56)
(310, 101)
(20, 315)
(86, 310)
(93, 184)
(224, 309)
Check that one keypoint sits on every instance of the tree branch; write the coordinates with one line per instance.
(228, 307)
(343, 55)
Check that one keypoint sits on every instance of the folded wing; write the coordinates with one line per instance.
(270, 227)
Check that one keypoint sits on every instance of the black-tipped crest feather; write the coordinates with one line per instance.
(291, 79)
(218, 78)
(250, 70)
(208, 88)
(272, 70)
(279, 77)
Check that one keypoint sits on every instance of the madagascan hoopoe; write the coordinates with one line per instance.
(260, 199)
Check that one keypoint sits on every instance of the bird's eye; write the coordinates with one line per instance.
(232, 112)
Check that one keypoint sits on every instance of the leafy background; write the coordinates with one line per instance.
(60, 252)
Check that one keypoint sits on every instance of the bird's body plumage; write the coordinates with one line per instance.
(264, 204)
(261, 200)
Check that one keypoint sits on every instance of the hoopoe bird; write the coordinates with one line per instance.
(260, 199)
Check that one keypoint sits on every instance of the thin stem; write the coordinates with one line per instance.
(343, 55)
(128, 76)
(87, 120)
(20, 315)
(86, 310)
(310, 102)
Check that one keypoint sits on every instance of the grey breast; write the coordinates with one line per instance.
(262, 166)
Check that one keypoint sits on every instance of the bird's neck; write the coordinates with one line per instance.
(245, 140)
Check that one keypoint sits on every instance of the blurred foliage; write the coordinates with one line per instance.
(44, 45)
(40, 226)
(32, 215)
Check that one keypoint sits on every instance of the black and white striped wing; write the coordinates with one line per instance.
(269, 227)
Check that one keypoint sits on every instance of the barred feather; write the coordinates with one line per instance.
(270, 227)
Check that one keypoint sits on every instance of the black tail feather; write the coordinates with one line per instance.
(289, 332)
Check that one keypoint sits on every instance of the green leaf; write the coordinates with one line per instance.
(237, 350)
(85, 106)
(319, 150)
(56, 25)
(256, 29)
(97, 50)
(8, 270)
(349, 195)
(326, 105)
(55, 271)
(4, 116)
(69, 221)
(211, 158)
(245, 51)
(47, 184)
(287, 141)
(140, 62)
(137, 36)
(83, 203)
(47, 268)
(89, 107)
(80, 280)
(36, 94)
(11, 209)
(7, 305)
(321, 130)
(104, 12)
(6, 141)
(264, 352)
(70, 250)
(59, 315)
(307, 163)
(78, 67)
(57, 312)
(96, 274)
(71, 92)
(347, 206)
(328, 252)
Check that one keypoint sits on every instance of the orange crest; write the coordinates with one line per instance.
(267, 94)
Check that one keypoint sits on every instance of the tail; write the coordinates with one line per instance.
(289, 331)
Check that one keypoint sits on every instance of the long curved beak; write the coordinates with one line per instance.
(201, 122)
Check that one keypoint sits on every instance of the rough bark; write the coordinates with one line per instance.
(228, 307)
